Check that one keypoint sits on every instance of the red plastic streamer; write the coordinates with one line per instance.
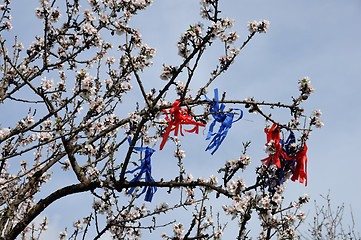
(273, 134)
(300, 171)
(176, 118)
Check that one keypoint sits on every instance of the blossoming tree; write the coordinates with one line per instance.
(75, 79)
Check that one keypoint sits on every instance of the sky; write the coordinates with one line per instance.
(319, 39)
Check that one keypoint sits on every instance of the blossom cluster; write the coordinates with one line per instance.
(234, 187)
(315, 119)
(305, 87)
(260, 26)
(191, 38)
(4, 132)
(241, 162)
(6, 16)
(168, 72)
(239, 205)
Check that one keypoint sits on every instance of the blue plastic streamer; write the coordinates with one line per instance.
(145, 168)
(225, 119)
(287, 144)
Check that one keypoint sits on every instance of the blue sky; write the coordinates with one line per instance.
(319, 39)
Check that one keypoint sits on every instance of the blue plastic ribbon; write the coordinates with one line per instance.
(287, 144)
(145, 168)
(225, 119)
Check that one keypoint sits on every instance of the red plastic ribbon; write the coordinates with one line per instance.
(300, 171)
(178, 117)
(274, 134)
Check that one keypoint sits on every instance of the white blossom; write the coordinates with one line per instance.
(319, 123)
(189, 178)
(110, 60)
(55, 15)
(62, 235)
(317, 113)
(78, 225)
(47, 84)
(4, 132)
(232, 187)
(301, 215)
(180, 153)
(28, 121)
(167, 72)
(270, 148)
(261, 26)
(277, 198)
(245, 160)
(213, 180)
(178, 229)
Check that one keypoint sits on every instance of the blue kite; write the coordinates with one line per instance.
(145, 168)
(225, 119)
